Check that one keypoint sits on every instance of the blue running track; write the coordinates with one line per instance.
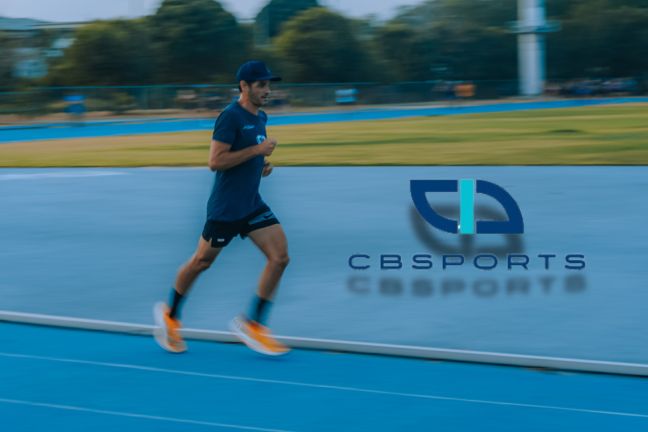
(71, 380)
(112, 128)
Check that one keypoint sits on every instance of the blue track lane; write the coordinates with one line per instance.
(58, 379)
(142, 127)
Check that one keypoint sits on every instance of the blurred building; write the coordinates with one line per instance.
(34, 44)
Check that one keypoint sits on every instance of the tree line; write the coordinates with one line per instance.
(198, 41)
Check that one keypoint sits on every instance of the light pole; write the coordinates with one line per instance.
(531, 28)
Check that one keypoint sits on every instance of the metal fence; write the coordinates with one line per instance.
(143, 99)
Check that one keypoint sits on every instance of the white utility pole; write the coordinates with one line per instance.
(530, 28)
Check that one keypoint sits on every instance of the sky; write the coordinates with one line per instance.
(87, 10)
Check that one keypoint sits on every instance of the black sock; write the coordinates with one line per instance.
(176, 302)
(259, 310)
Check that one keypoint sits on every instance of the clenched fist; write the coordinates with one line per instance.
(267, 147)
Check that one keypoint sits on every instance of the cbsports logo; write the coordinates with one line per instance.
(467, 189)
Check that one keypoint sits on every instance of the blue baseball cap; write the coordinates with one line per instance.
(255, 70)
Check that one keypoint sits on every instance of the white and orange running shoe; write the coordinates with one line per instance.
(167, 330)
(257, 337)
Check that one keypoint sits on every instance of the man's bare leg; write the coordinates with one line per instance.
(200, 261)
(272, 242)
(251, 328)
(167, 331)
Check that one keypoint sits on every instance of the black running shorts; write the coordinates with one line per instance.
(220, 233)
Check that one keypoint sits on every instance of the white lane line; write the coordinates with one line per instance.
(58, 174)
(324, 386)
(140, 416)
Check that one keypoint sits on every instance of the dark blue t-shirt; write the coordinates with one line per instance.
(236, 191)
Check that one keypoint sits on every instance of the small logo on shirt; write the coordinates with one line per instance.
(248, 127)
(260, 139)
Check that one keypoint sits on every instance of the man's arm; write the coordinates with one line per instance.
(221, 157)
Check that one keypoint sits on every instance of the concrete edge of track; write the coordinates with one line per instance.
(529, 361)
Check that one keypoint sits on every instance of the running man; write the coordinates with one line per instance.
(238, 152)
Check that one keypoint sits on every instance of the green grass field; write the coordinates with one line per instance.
(612, 135)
